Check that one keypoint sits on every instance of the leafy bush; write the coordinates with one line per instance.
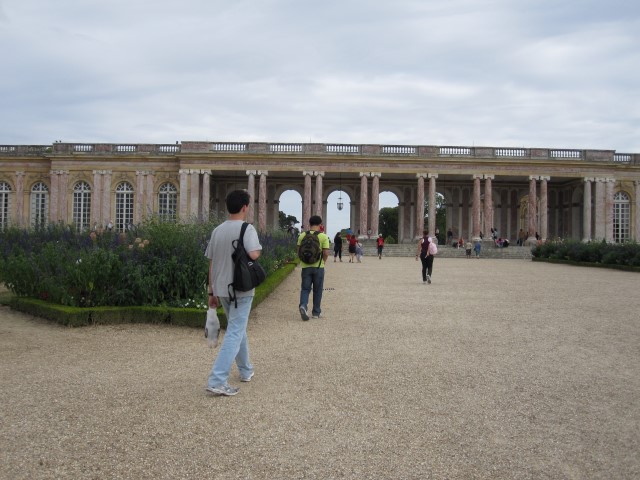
(626, 254)
(160, 263)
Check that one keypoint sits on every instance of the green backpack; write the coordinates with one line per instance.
(309, 250)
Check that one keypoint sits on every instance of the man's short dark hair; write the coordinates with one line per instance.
(315, 220)
(236, 200)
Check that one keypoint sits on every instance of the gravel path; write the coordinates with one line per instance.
(499, 369)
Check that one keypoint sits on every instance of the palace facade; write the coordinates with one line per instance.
(555, 193)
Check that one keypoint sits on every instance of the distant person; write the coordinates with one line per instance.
(359, 252)
(477, 247)
(380, 242)
(467, 248)
(426, 252)
(235, 346)
(312, 275)
(449, 236)
(337, 247)
(353, 240)
(521, 238)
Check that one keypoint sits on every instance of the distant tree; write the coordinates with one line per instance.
(286, 221)
(441, 214)
(388, 222)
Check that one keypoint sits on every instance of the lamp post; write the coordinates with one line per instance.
(340, 204)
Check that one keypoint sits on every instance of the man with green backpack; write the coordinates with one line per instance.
(313, 251)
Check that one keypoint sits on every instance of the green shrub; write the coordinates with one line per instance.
(626, 254)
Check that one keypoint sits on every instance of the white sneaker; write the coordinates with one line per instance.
(247, 379)
(303, 313)
(428, 278)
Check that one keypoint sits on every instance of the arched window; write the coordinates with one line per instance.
(82, 206)
(124, 206)
(5, 205)
(621, 217)
(39, 205)
(167, 201)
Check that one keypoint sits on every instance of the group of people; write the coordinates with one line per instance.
(235, 345)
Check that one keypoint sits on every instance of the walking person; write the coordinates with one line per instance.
(380, 243)
(359, 252)
(426, 251)
(337, 246)
(477, 247)
(235, 346)
(353, 240)
(313, 273)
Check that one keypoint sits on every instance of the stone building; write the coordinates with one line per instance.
(577, 194)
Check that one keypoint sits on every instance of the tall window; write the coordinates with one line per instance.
(82, 206)
(124, 206)
(167, 201)
(5, 205)
(621, 217)
(39, 205)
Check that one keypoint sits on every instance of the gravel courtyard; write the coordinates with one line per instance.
(498, 369)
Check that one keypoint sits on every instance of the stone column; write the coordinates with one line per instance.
(608, 209)
(364, 200)
(420, 205)
(432, 204)
(318, 197)
(206, 193)
(106, 196)
(194, 193)
(375, 203)
(306, 201)
(476, 208)
(532, 217)
(63, 197)
(20, 220)
(139, 196)
(184, 192)
(488, 204)
(251, 188)
(149, 195)
(636, 184)
(586, 210)
(544, 224)
(262, 200)
(53, 195)
(599, 209)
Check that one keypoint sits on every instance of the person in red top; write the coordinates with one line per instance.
(380, 242)
(353, 240)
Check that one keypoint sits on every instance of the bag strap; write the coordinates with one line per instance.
(240, 244)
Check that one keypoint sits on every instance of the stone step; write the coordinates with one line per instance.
(487, 251)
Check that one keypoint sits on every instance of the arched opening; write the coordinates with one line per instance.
(337, 219)
(289, 211)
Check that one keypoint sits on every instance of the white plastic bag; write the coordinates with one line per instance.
(212, 328)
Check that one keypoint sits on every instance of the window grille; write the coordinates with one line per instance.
(82, 206)
(621, 217)
(168, 201)
(124, 206)
(39, 205)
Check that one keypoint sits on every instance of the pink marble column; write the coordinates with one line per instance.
(106, 197)
(262, 200)
(420, 205)
(20, 220)
(476, 208)
(586, 210)
(636, 184)
(532, 218)
(251, 188)
(53, 195)
(432, 204)
(544, 226)
(599, 210)
(139, 197)
(184, 194)
(488, 204)
(608, 209)
(364, 201)
(306, 201)
(206, 194)
(318, 197)
(375, 204)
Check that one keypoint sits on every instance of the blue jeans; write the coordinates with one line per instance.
(312, 276)
(235, 345)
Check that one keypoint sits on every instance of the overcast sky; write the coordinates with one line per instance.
(512, 73)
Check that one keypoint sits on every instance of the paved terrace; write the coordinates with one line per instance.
(499, 369)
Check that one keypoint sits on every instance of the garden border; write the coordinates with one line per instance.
(188, 317)
(626, 268)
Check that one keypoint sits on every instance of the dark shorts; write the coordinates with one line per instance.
(352, 249)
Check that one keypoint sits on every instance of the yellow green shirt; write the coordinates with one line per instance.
(324, 245)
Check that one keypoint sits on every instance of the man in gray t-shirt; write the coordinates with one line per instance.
(235, 345)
